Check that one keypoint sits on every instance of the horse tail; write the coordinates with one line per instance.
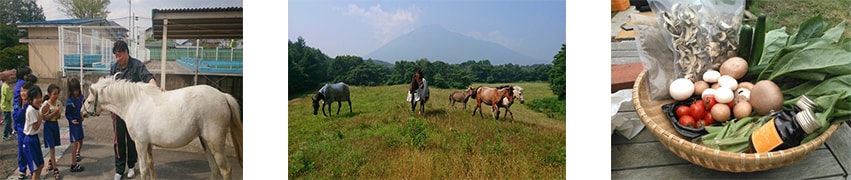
(235, 126)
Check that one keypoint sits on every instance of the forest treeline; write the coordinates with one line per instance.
(309, 69)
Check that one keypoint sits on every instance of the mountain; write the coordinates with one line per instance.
(438, 44)
(380, 62)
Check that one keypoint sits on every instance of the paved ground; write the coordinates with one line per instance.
(188, 162)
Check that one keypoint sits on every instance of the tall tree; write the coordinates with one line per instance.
(341, 65)
(557, 74)
(15, 11)
(84, 8)
(14, 56)
(366, 74)
(307, 67)
(11, 13)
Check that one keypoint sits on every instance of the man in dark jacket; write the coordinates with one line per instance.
(133, 70)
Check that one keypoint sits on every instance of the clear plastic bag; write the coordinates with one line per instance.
(701, 33)
(655, 56)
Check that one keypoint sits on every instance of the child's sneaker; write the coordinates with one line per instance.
(77, 168)
(78, 157)
(117, 176)
(56, 173)
(49, 167)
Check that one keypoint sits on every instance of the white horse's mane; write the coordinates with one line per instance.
(124, 88)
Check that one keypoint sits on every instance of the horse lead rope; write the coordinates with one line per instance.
(92, 113)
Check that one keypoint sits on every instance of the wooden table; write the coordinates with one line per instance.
(644, 157)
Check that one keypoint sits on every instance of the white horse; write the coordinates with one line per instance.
(171, 119)
(506, 103)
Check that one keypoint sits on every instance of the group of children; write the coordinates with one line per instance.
(37, 113)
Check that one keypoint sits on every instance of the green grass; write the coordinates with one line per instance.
(780, 13)
(552, 106)
(383, 139)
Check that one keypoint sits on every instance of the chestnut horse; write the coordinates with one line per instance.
(493, 97)
(418, 91)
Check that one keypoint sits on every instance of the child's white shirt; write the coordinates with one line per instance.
(32, 118)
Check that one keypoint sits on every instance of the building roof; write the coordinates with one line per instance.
(114, 28)
(198, 23)
(59, 22)
(186, 10)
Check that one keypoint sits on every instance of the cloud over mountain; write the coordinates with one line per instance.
(438, 44)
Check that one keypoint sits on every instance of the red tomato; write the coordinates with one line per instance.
(709, 101)
(698, 109)
(682, 110)
(708, 121)
(687, 121)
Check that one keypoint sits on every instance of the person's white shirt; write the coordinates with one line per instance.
(32, 118)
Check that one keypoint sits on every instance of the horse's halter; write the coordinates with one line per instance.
(93, 113)
(97, 98)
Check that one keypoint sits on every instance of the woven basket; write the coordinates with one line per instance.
(654, 119)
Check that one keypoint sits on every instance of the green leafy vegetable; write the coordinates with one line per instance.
(828, 59)
(775, 40)
(813, 27)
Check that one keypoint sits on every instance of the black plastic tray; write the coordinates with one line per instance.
(670, 111)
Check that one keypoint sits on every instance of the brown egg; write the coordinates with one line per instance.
(699, 86)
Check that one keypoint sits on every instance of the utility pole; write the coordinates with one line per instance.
(130, 20)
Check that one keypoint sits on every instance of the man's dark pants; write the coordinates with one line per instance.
(124, 146)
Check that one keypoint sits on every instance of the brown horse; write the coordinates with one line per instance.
(460, 96)
(493, 97)
(418, 91)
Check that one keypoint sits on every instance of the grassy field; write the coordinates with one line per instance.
(383, 139)
(781, 13)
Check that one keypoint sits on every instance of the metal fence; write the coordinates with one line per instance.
(89, 48)
(221, 54)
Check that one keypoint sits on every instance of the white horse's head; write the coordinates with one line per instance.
(93, 105)
(518, 92)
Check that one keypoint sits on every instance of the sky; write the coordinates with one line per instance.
(120, 10)
(531, 27)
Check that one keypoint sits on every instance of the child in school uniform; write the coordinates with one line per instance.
(19, 110)
(32, 127)
(74, 106)
(52, 108)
